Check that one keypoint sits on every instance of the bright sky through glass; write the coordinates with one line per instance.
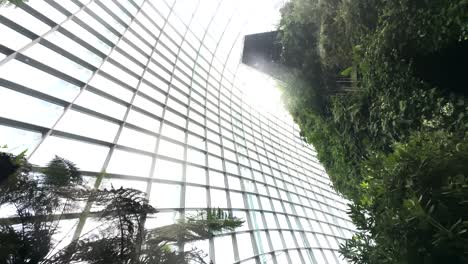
(158, 100)
(260, 91)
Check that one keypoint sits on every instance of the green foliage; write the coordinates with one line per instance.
(347, 71)
(8, 165)
(390, 137)
(215, 220)
(35, 202)
(11, 2)
(41, 197)
(61, 172)
(414, 203)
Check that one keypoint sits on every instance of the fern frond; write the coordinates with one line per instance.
(61, 172)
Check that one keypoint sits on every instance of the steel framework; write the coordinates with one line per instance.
(146, 92)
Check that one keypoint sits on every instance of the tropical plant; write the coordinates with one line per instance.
(40, 198)
(385, 130)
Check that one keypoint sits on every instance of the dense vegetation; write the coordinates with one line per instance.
(379, 88)
(34, 201)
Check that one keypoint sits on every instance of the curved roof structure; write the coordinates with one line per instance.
(153, 93)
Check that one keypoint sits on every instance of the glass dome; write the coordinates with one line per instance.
(159, 85)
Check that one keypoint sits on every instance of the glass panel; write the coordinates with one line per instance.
(57, 61)
(195, 156)
(244, 245)
(53, 146)
(38, 112)
(18, 140)
(196, 175)
(262, 241)
(195, 197)
(173, 133)
(135, 139)
(161, 219)
(223, 250)
(170, 149)
(282, 258)
(108, 183)
(74, 122)
(237, 201)
(143, 121)
(12, 39)
(165, 195)
(257, 222)
(270, 220)
(216, 179)
(218, 198)
(124, 162)
(168, 170)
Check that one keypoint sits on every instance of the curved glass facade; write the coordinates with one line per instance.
(153, 94)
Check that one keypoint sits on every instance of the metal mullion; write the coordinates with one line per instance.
(255, 193)
(23, 125)
(157, 74)
(175, 98)
(176, 31)
(285, 214)
(38, 15)
(251, 233)
(131, 44)
(188, 56)
(43, 67)
(185, 129)
(125, 69)
(95, 114)
(143, 40)
(5, 50)
(31, 92)
(298, 223)
(90, 140)
(18, 28)
(167, 47)
(180, 89)
(236, 253)
(140, 129)
(114, 15)
(92, 31)
(156, 88)
(135, 5)
(149, 98)
(103, 22)
(36, 39)
(67, 54)
(267, 232)
(159, 64)
(291, 183)
(151, 20)
(133, 150)
(145, 29)
(114, 79)
(211, 243)
(97, 183)
(199, 75)
(59, 8)
(106, 95)
(131, 58)
(170, 38)
(275, 155)
(158, 139)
